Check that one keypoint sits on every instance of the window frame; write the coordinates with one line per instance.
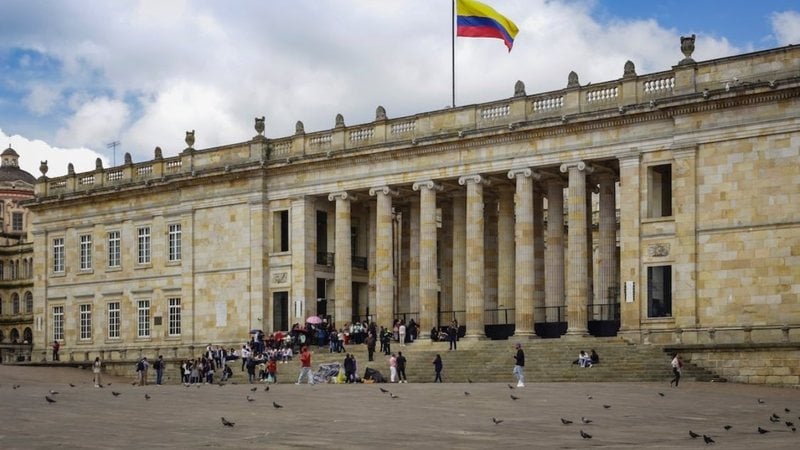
(85, 322)
(114, 239)
(143, 326)
(143, 245)
(114, 320)
(85, 251)
(174, 316)
(57, 312)
(59, 256)
(174, 242)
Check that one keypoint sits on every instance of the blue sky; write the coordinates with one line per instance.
(77, 75)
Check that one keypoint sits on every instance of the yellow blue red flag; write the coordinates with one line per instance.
(475, 19)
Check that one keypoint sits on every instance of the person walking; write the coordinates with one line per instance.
(305, 366)
(159, 365)
(393, 369)
(519, 363)
(401, 368)
(437, 367)
(56, 347)
(677, 366)
(97, 367)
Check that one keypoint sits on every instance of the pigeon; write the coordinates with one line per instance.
(761, 402)
(789, 424)
(794, 429)
(565, 421)
(393, 396)
(585, 435)
(250, 399)
(586, 421)
(762, 431)
(466, 393)
(147, 396)
(16, 386)
(776, 416)
(708, 439)
(589, 397)
(276, 405)
(606, 406)
(71, 385)
(266, 388)
(661, 394)
(52, 392)
(774, 420)
(384, 390)
(727, 427)
(514, 397)
(787, 410)
(49, 399)
(469, 380)
(253, 389)
(227, 423)
(497, 421)
(101, 386)
(510, 386)
(693, 434)
(133, 383)
(116, 394)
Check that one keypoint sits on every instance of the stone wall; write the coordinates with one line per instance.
(773, 364)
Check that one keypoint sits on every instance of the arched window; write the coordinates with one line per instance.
(27, 335)
(28, 303)
(15, 304)
(14, 336)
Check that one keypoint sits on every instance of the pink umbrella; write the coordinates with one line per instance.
(314, 320)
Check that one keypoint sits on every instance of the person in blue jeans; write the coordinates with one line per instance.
(437, 367)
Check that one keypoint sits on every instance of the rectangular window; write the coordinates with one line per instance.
(280, 231)
(659, 180)
(16, 221)
(175, 317)
(143, 245)
(174, 242)
(659, 291)
(143, 321)
(114, 249)
(85, 322)
(113, 320)
(58, 255)
(58, 323)
(86, 251)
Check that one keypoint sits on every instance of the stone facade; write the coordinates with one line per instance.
(658, 206)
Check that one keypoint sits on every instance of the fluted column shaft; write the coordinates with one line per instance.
(428, 287)
(343, 260)
(554, 252)
(523, 266)
(506, 253)
(414, 258)
(608, 277)
(460, 256)
(538, 255)
(446, 257)
(384, 290)
(490, 259)
(475, 255)
(577, 281)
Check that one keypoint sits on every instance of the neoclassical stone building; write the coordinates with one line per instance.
(661, 208)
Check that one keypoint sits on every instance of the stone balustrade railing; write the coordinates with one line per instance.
(622, 96)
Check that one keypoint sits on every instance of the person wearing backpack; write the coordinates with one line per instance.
(159, 366)
(141, 370)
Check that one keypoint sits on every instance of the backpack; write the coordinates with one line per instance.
(139, 366)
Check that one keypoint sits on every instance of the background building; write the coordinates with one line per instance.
(659, 208)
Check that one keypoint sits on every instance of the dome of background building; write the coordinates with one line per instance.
(10, 171)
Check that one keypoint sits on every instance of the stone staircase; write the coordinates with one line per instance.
(546, 360)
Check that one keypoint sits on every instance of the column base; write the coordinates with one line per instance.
(525, 335)
(576, 335)
(474, 337)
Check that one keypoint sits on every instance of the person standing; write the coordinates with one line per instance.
(393, 369)
(371, 346)
(677, 366)
(159, 365)
(519, 363)
(56, 347)
(305, 366)
(437, 367)
(401, 330)
(141, 369)
(401, 368)
(452, 335)
(97, 367)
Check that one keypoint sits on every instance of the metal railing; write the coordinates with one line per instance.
(550, 314)
(325, 258)
(498, 316)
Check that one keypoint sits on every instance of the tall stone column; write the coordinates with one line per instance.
(577, 277)
(506, 254)
(631, 309)
(372, 241)
(538, 255)
(428, 286)
(475, 256)
(414, 258)
(523, 268)
(490, 259)
(554, 252)
(304, 251)
(446, 258)
(459, 255)
(384, 280)
(608, 276)
(343, 259)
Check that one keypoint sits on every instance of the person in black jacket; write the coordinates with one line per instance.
(518, 365)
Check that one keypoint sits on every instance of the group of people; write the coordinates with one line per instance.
(587, 359)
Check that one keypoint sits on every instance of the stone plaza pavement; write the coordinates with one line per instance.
(445, 416)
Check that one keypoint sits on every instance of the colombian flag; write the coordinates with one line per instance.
(476, 19)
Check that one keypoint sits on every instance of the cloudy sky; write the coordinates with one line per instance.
(77, 75)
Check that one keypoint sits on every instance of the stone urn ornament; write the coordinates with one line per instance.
(687, 47)
(260, 125)
(189, 139)
(43, 168)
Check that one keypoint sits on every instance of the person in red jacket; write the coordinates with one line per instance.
(305, 366)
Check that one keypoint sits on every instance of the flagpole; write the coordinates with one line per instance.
(453, 49)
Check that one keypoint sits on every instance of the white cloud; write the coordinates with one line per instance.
(32, 152)
(41, 99)
(95, 123)
(786, 26)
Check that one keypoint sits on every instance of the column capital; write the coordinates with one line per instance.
(385, 190)
(684, 152)
(526, 172)
(477, 178)
(341, 195)
(629, 159)
(580, 165)
(427, 184)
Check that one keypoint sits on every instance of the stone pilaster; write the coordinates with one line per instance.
(577, 276)
(608, 276)
(505, 253)
(459, 254)
(343, 259)
(475, 255)
(684, 185)
(524, 267)
(428, 286)
(384, 279)
(304, 252)
(554, 253)
(629, 241)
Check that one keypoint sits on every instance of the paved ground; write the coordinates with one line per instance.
(360, 416)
